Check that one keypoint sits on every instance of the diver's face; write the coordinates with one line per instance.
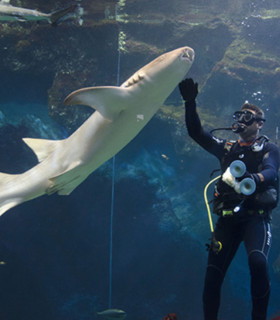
(250, 130)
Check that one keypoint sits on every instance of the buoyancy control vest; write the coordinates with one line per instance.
(265, 197)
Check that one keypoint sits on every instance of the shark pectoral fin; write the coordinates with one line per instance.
(106, 100)
(67, 181)
(41, 147)
(8, 183)
(8, 205)
(64, 185)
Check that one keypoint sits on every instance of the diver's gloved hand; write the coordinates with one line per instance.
(188, 89)
(253, 176)
(231, 181)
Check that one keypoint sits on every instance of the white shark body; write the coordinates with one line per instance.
(10, 13)
(121, 113)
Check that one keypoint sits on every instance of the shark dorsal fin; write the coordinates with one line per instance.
(41, 147)
(103, 99)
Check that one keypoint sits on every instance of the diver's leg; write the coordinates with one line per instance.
(257, 242)
(218, 265)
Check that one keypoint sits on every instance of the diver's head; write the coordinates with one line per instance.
(248, 121)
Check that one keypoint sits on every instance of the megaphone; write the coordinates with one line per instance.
(247, 186)
(237, 168)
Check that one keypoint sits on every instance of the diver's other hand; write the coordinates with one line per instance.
(257, 177)
(188, 89)
(230, 180)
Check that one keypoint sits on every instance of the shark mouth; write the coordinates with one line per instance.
(188, 54)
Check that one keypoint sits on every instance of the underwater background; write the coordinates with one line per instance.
(55, 251)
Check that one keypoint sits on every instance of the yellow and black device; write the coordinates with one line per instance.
(215, 245)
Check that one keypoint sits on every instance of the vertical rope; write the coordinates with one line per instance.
(113, 185)
(111, 233)
(119, 49)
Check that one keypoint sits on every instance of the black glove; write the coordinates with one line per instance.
(188, 89)
(253, 176)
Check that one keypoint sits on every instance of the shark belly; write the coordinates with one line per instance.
(106, 141)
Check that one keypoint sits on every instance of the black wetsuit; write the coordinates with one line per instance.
(250, 225)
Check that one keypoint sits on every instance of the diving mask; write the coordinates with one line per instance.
(242, 120)
(246, 117)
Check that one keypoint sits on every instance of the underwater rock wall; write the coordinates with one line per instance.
(236, 50)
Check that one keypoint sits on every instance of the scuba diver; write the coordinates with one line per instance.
(170, 316)
(241, 217)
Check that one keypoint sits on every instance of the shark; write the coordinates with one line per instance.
(9, 12)
(112, 314)
(121, 112)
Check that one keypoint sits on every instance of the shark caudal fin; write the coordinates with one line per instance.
(60, 14)
(7, 183)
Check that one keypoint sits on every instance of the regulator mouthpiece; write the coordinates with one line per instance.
(237, 127)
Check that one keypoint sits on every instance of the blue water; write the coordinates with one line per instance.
(55, 250)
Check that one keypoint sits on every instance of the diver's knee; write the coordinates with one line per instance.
(257, 263)
(214, 277)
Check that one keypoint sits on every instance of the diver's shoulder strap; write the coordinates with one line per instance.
(260, 144)
(256, 147)
(229, 144)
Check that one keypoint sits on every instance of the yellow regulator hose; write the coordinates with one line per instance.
(216, 246)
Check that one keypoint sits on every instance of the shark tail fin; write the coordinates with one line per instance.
(6, 183)
(57, 15)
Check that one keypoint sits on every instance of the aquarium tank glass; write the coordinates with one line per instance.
(119, 229)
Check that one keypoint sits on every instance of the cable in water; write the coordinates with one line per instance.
(113, 184)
